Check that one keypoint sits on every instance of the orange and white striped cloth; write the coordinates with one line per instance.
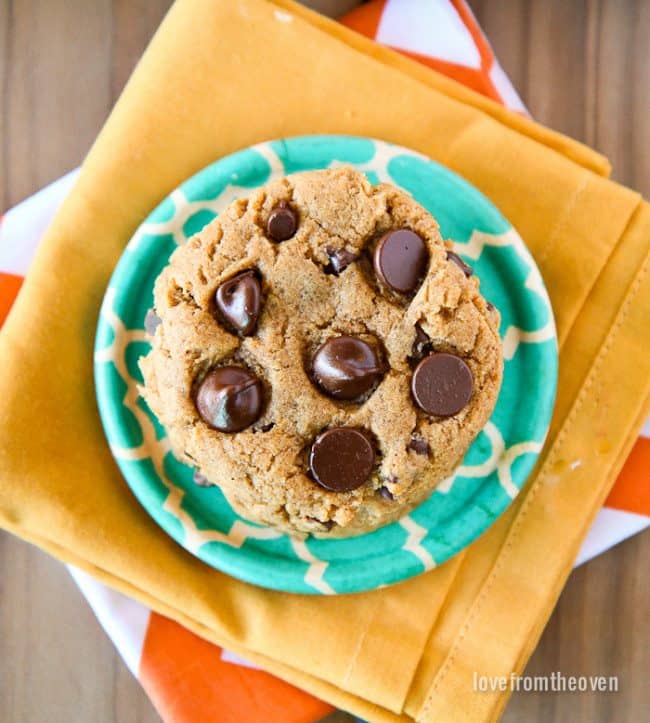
(187, 678)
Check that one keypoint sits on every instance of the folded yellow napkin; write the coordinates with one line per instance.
(217, 77)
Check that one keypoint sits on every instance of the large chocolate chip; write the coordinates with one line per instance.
(230, 399)
(442, 384)
(340, 259)
(238, 302)
(282, 223)
(400, 260)
(341, 459)
(345, 367)
(465, 268)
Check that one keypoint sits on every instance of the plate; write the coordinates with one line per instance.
(461, 508)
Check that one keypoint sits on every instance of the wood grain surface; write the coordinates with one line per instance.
(581, 67)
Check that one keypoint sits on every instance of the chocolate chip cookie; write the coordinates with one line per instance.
(320, 354)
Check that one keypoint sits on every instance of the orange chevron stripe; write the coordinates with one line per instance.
(469, 21)
(365, 19)
(474, 78)
(484, 48)
(631, 491)
(188, 682)
(9, 288)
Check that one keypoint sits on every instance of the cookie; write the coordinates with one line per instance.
(321, 354)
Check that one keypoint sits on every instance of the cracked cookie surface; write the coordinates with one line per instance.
(306, 282)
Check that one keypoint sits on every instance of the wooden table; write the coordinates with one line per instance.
(581, 67)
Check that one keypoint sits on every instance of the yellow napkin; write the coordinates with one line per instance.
(222, 75)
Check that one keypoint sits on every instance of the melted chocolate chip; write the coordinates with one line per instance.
(268, 427)
(230, 399)
(465, 268)
(200, 479)
(419, 343)
(340, 259)
(442, 384)
(282, 223)
(346, 367)
(418, 445)
(400, 260)
(151, 322)
(490, 306)
(385, 493)
(238, 302)
(341, 459)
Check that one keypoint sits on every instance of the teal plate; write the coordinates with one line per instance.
(461, 508)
